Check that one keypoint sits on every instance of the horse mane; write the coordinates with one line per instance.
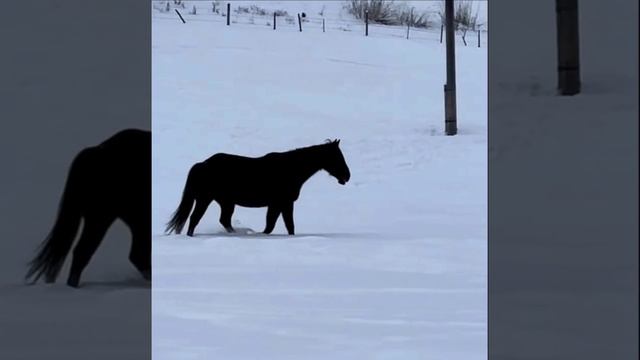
(315, 147)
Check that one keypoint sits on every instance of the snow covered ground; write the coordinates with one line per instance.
(391, 266)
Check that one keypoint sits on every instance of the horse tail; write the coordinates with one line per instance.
(181, 214)
(53, 251)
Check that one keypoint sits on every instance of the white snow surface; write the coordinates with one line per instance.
(392, 265)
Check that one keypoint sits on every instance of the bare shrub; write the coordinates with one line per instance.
(465, 18)
(422, 20)
(242, 10)
(380, 11)
(387, 12)
(215, 6)
(256, 10)
(406, 15)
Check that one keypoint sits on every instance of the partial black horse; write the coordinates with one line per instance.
(272, 181)
(105, 182)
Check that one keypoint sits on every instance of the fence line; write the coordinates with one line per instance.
(307, 19)
(319, 24)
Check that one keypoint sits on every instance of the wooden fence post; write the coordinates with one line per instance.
(441, 28)
(478, 37)
(181, 18)
(409, 23)
(228, 14)
(366, 23)
(299, 23)
(274, 21)
(322, 24)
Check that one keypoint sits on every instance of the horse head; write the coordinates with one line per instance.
(335, 163)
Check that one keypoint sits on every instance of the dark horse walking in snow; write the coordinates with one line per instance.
(106, 182)
(273, 180)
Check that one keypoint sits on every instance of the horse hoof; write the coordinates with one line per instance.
(146, 275)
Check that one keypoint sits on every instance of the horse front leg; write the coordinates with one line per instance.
(287, 216)
(272, 216)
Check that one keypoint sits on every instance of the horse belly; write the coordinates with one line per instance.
(245, 182)
(253, 203)
(234, 190)
(251, 197)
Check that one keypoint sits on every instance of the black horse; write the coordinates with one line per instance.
(273, 180)
(106, 182)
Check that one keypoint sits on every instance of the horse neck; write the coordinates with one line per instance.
(307, 165)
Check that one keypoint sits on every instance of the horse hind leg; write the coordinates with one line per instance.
(93, 232)
(287, 216)
(226, 212)
(198, 212)
(140, 253)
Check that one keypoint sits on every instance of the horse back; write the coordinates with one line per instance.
(247, 181)
(117, 174)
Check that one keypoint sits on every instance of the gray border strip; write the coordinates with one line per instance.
(563, 186)
(72, 73)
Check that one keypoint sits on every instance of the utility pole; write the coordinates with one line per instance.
(568, 47)
(450, 116)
